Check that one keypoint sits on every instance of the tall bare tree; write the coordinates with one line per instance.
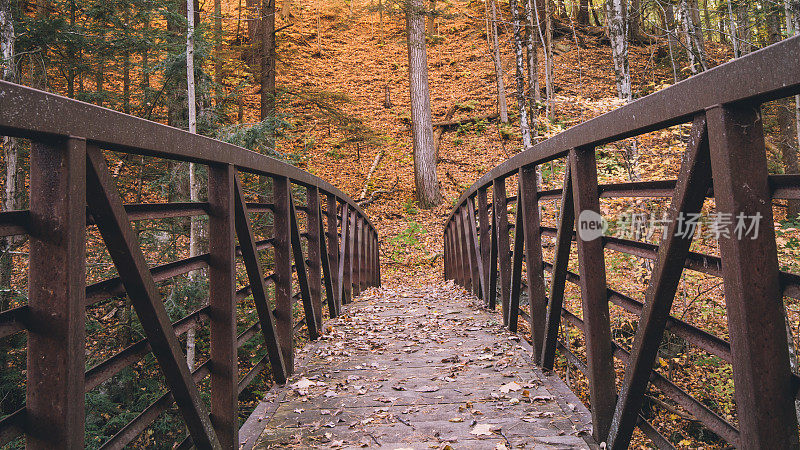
(494, 43)
(695, 45)
(618, 33)
(522, 103)
(14, 186)
(425, 180)
(194, 186)
(267, 59)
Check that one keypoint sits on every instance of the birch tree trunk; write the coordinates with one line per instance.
(524, 126)
(218, 43)
(502, 104)
(14, 188)
(743, 27)
(425, 181)
(533, 59)
(194, 188)
(617, 31)
(734, 31)
(695, 47)
(546, 38)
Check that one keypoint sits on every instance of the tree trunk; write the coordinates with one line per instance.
(533, 60)
(426, 183)
(431, 18)
(522, 103)
(619, 47)
(502, 105)
(695, 47)
(286, 7)
(218, 43)
(194, 227)
(743, 27)
(672, 39)
(268, 59)
(14, 187)
(733, 31)
(633, 15)
(582, 17)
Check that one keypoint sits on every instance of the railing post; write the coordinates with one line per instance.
(528, 206)
(446, 252)
(503, 249)
(481, 287)
(56, 336)
(462, 251)
(469, 227)
(377, 259)
(566, 222)
(333, 248)
(457, 270)
(314, 253)
(493, 272)
(597, 323)
(512, 313)
(485, 242)
(357, 257)
(362, 254)
(690, 193)
(348, 255)
(222, 304)
(753, 297)
(283, 270)
(373, 245)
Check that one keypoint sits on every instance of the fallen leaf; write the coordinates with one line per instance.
(513, 386)
(482, 429)
(428, 388)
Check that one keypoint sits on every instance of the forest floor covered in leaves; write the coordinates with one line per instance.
(420, 367)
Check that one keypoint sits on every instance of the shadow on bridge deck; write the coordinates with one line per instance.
(418, 368)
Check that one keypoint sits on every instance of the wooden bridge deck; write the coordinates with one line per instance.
(419, 368)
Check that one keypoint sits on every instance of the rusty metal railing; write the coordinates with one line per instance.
(727, 146)
(68, 172)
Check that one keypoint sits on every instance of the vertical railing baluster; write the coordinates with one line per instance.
(283, 270)
(503, 249)
(446, 256)
(528, 206)
(481, 288)
(597, 324)
(314, 252)
(485, 242)
(466, 236)
(558, 280)
(344, 260)
(327, 271)
(56, 301)
(463, 252)
(333, 249)
(348, 255)
(361, 253)
(516, 269)
(222, 304)
(753, 297)
(493, 271)
(355, 260)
